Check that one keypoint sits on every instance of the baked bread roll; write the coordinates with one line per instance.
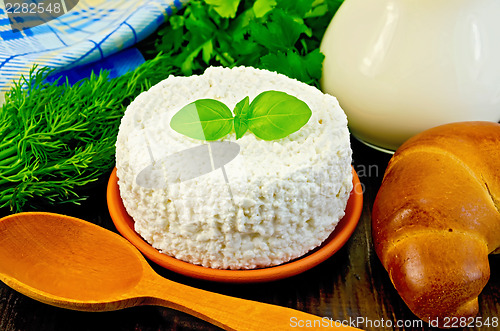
(436, 218)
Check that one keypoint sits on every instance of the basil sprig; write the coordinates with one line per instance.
(271, 115)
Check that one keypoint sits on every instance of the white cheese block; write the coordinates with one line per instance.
(271, 203)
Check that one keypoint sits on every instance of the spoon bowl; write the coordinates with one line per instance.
(70, 263)
(50, 256)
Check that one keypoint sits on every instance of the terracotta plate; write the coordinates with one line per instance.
(125, 225)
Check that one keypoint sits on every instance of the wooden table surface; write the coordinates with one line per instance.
(350, 286)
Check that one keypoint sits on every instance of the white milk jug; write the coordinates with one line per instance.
(399, 67)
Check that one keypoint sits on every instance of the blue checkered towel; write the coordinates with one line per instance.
(90, 31)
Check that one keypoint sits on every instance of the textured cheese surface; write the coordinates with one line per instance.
(282, 198)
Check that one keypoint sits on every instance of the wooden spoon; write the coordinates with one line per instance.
(70, 263)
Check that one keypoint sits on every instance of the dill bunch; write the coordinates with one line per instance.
(55, 138)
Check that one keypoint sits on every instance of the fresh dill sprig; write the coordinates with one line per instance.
(55, 138)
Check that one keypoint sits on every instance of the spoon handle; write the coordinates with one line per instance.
(232, 313)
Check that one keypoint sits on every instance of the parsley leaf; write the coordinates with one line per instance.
(267, 34)
(273, 35)
(297, 8)
(293, 65)
(225, 8)
(262, 7)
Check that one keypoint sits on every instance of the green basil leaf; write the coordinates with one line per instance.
(240, 127)
(204, 119)
(241, 108)
(240, 118)
(275, 115)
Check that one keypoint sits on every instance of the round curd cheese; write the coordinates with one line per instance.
(266, 203)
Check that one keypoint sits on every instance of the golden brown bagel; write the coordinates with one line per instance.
(436, 218)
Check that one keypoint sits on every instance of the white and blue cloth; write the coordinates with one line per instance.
(93, 32)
